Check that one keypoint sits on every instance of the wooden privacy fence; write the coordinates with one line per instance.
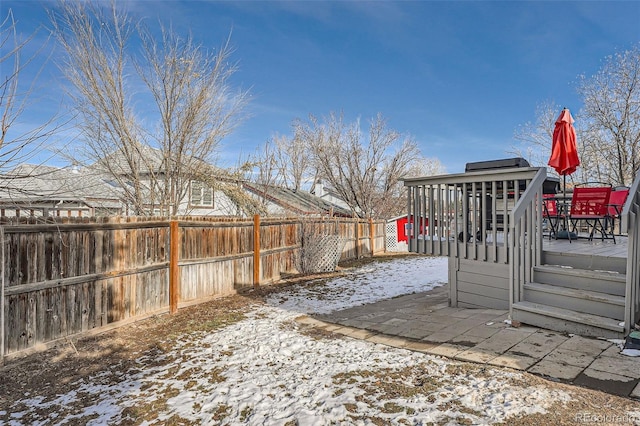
(64, 276)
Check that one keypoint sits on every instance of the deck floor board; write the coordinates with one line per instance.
(584, 246)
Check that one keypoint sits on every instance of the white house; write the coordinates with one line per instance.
(41, 190)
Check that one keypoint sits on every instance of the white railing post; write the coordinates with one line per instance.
(629, 224)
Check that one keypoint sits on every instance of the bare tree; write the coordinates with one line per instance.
(363, 170)
(535, 138)
(155, 159)
(295, 159)
(95, 40)
(18, 146)
(325, 151)
(262, 168)
(282, 161)
(608, 126)
(424, 166)
(612, 112)
(197, 109)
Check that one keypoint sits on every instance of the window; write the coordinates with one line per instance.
(408, 229)
(201, 195)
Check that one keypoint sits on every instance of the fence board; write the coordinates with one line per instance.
(65, 276)
(23, 274)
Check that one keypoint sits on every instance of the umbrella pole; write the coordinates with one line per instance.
(564, 202)
(565, 234)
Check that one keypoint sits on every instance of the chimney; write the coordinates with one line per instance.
(318, 189)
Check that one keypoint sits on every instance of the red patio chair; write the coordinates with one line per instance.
(614, 208)
(589, 205)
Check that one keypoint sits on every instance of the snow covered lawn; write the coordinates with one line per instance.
(366, 284)
(263, 368)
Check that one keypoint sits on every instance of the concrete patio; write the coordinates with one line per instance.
(424, 322)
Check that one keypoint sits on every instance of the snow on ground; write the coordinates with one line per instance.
(266, 370)
(368, 284)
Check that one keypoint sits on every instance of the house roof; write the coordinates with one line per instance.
(31, 183)
(37, 184)
(393, 219)
(149, 160)
(297, 201)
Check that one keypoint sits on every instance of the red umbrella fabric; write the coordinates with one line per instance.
(564, 153)
(564, 158)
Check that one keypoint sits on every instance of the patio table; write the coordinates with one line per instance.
(563, 204)
(563, 207)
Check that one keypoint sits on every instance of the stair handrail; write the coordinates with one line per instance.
(525, 237)
(631, 205)
(630, 224)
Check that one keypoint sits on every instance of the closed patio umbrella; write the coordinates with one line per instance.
(564, 153)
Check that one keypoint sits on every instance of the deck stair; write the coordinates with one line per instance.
(581, 294)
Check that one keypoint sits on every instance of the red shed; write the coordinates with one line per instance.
(403, 227)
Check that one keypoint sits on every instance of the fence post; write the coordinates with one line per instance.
(358, 251)
(256, 250)
(2, 296)
(174, 269)
(372, 239)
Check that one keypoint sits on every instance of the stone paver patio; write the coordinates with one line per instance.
(424, 322)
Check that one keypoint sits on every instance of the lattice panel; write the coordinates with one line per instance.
(392, 236)
(327, 252)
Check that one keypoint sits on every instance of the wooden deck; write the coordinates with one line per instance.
(589, 288)
(584, 246)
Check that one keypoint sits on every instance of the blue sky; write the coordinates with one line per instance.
(458, 76)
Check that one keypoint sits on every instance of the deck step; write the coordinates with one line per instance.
(585, 301)
(568, 321)
(609, 282)
(588, 262)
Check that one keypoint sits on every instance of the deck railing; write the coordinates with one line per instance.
(465, 215)
(496, 217)
(631, 225)
(490, 217)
